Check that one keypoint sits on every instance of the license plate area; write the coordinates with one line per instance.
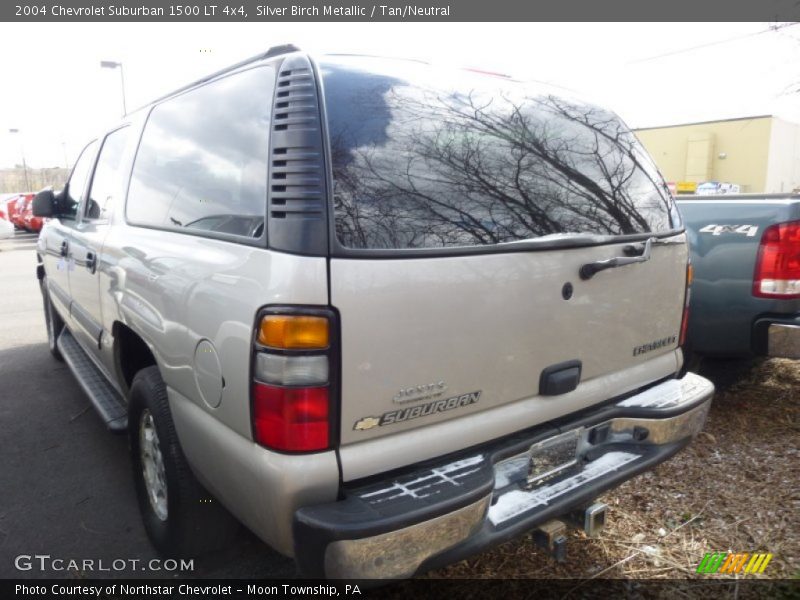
(554, 457)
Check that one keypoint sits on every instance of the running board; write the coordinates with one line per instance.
(108, 403)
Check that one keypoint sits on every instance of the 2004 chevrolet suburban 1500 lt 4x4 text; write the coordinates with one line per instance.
(386, 314)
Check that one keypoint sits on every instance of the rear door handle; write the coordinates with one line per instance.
(64, 248)
(91, 261)
(589, 270)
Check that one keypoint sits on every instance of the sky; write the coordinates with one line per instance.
(57, 96)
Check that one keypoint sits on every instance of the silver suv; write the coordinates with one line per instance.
(384, 314)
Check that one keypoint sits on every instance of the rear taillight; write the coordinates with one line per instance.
(291, 419)
(687, 300)
(777, 273)
(294, 332)
(292, 369)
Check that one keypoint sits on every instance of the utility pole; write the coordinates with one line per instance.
(110, 64)
(24, 164)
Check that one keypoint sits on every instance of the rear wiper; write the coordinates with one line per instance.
(589, 270)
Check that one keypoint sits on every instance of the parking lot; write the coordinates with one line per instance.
(67, 492)
(66, 486)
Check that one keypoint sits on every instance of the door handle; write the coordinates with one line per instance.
(589, 270)
(91, 261)
(64, 248)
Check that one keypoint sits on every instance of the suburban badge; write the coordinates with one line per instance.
(415, 412)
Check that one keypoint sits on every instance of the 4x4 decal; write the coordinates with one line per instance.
(713, 229)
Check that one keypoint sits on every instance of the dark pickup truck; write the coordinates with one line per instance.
(746, 292)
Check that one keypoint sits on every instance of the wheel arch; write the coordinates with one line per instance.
(131, 354)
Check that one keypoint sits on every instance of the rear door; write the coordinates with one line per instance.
(465, 209)
(88, 236)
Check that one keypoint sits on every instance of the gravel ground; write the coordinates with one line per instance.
(736, 488)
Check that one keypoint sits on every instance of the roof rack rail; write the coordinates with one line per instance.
(270, 53)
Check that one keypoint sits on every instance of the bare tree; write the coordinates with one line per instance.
(471, 169)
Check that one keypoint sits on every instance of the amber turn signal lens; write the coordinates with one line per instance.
(689, 274)
(294, 332)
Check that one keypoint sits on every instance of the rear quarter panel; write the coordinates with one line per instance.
(177, 291)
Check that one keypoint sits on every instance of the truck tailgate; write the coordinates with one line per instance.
(482, 329)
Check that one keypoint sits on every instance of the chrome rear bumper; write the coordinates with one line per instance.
(440, 514)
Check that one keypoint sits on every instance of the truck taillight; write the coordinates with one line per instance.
(292, 379)
(291, 419)
(687, 300)
(777, 273)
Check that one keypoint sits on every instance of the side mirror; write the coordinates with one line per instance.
(44, 204)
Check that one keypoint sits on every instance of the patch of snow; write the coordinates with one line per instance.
(435, 477)
(509, 470)
(667, 394)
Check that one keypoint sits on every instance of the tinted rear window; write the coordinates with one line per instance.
(429, 158)
(202, 161)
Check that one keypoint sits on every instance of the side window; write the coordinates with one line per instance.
(76, 187)
(107, 180)
(202, 159)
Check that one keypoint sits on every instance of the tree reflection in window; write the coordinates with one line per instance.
(420, 165)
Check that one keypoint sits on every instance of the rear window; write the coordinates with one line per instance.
(430, 158)
(201, 166)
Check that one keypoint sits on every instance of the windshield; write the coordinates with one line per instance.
(430, 158)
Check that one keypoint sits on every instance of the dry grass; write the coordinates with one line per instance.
(735, 489)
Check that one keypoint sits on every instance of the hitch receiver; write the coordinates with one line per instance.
(552, 537)
(592, 519)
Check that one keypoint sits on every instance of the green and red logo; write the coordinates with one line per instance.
(741, 562)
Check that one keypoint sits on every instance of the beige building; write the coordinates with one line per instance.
(761, 154)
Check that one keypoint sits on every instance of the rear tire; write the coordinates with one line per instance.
(181, 518)
(53, 322)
